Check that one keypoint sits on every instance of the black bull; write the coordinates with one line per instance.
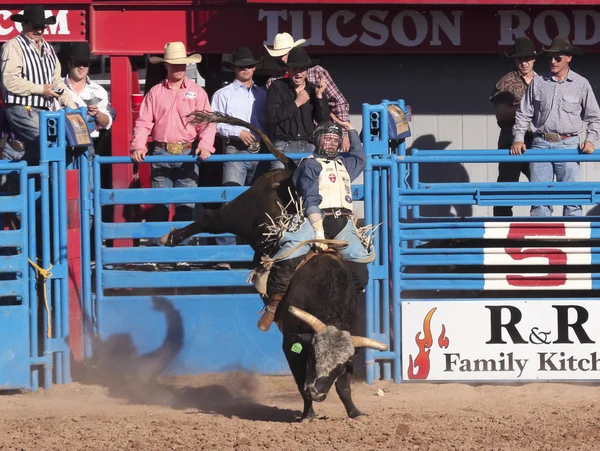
(319, 351)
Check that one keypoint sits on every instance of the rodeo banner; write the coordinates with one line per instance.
(500, 340)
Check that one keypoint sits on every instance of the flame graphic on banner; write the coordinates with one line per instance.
(424, 344)
(443, 341)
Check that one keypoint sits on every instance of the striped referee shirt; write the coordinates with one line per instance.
(26, 68)
(562, 107)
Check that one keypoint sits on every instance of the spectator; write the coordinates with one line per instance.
(338, 105)
(506, 98)
(31, 79)
(294, 104)
(244, 100)
(163, 116)
(556, 105)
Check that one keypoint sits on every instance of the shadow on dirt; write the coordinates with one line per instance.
(117, 366)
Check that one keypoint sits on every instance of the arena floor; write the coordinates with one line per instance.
(246, 412)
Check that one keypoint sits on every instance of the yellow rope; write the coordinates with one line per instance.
(46, 274)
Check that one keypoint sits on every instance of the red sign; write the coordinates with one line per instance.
(360, 29)
(70, 25)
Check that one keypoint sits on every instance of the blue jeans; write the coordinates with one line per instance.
(236, 173)
(25, 124)
(291, 147)
(564, 171)
(173, 175)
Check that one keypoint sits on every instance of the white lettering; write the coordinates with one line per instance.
(62, 24)
(539, 25)
(316, 28)
(509, 31)
(272, 23)
(332, 30)
(420, 25)
(439, 21)
(377, 28)
(4, 15)
(581, 29)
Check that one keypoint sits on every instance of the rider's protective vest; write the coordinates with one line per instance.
(334, 184)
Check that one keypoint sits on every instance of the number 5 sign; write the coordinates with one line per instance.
(531, 255)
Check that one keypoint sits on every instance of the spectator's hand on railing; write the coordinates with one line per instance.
(587, 147)
(138, 155)
(203, 153)
(517, 148)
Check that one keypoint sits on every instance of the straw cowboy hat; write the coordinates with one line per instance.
(35, 15)
(283, 43)
(175, 53)
(563, 46)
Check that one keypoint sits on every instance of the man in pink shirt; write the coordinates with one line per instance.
(163, 116)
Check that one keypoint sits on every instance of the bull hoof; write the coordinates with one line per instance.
(362, 417)
(309, 419)
(167, 239)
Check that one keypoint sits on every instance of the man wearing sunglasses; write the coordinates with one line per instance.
(557, 104)
(30, 82)
(85, 92)
(245, 100)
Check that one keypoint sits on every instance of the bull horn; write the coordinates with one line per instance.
(364, 342)
(312, 321)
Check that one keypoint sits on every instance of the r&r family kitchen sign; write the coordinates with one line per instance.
(500, 340)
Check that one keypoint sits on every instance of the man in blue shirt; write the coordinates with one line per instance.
(323, 182)
(244, 100)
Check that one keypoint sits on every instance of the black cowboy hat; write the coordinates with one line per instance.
(242, 56)
(80, 51)
(299, 58)
(522, 47)
(34, 14)
(562, 45)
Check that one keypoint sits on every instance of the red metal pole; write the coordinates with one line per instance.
(122, 174)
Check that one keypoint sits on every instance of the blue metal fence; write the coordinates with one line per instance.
(33, 266)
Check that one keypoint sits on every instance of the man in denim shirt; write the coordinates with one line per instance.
(244, 100)
(557, 104)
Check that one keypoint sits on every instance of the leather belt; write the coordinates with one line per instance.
(554, 137)
(173, 148)
(336, 212)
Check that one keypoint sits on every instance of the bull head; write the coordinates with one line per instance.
(330, 352)
(319, 326)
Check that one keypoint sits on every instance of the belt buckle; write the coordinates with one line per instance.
(552, 137)
(175, 148)
(337, 214)
(254, 147)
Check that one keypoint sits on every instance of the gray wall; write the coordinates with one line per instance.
(449, 96)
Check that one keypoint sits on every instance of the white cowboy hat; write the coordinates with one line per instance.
(283, 43)
(175, 53)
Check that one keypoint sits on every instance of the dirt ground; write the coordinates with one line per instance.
(247, 412)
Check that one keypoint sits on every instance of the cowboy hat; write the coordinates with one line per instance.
(175, 53)
(34, 14)
(80, 52)
(242, 57)
(299, 58)
(283, 43)
(523, 47)
(562, 45)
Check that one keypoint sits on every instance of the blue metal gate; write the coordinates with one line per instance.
(33, 266)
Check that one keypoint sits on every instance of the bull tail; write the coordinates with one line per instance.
(207, 117)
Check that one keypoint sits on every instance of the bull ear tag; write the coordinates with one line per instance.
(297, 348)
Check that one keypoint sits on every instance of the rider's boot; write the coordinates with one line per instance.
(265, 321)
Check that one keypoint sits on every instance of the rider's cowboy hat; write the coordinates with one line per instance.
(562, 46)
(35, 15)
(522, 48)
(299, 58)
(175, 53)
(283, 43)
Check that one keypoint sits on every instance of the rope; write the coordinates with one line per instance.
(46, 274)
(268, 262)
